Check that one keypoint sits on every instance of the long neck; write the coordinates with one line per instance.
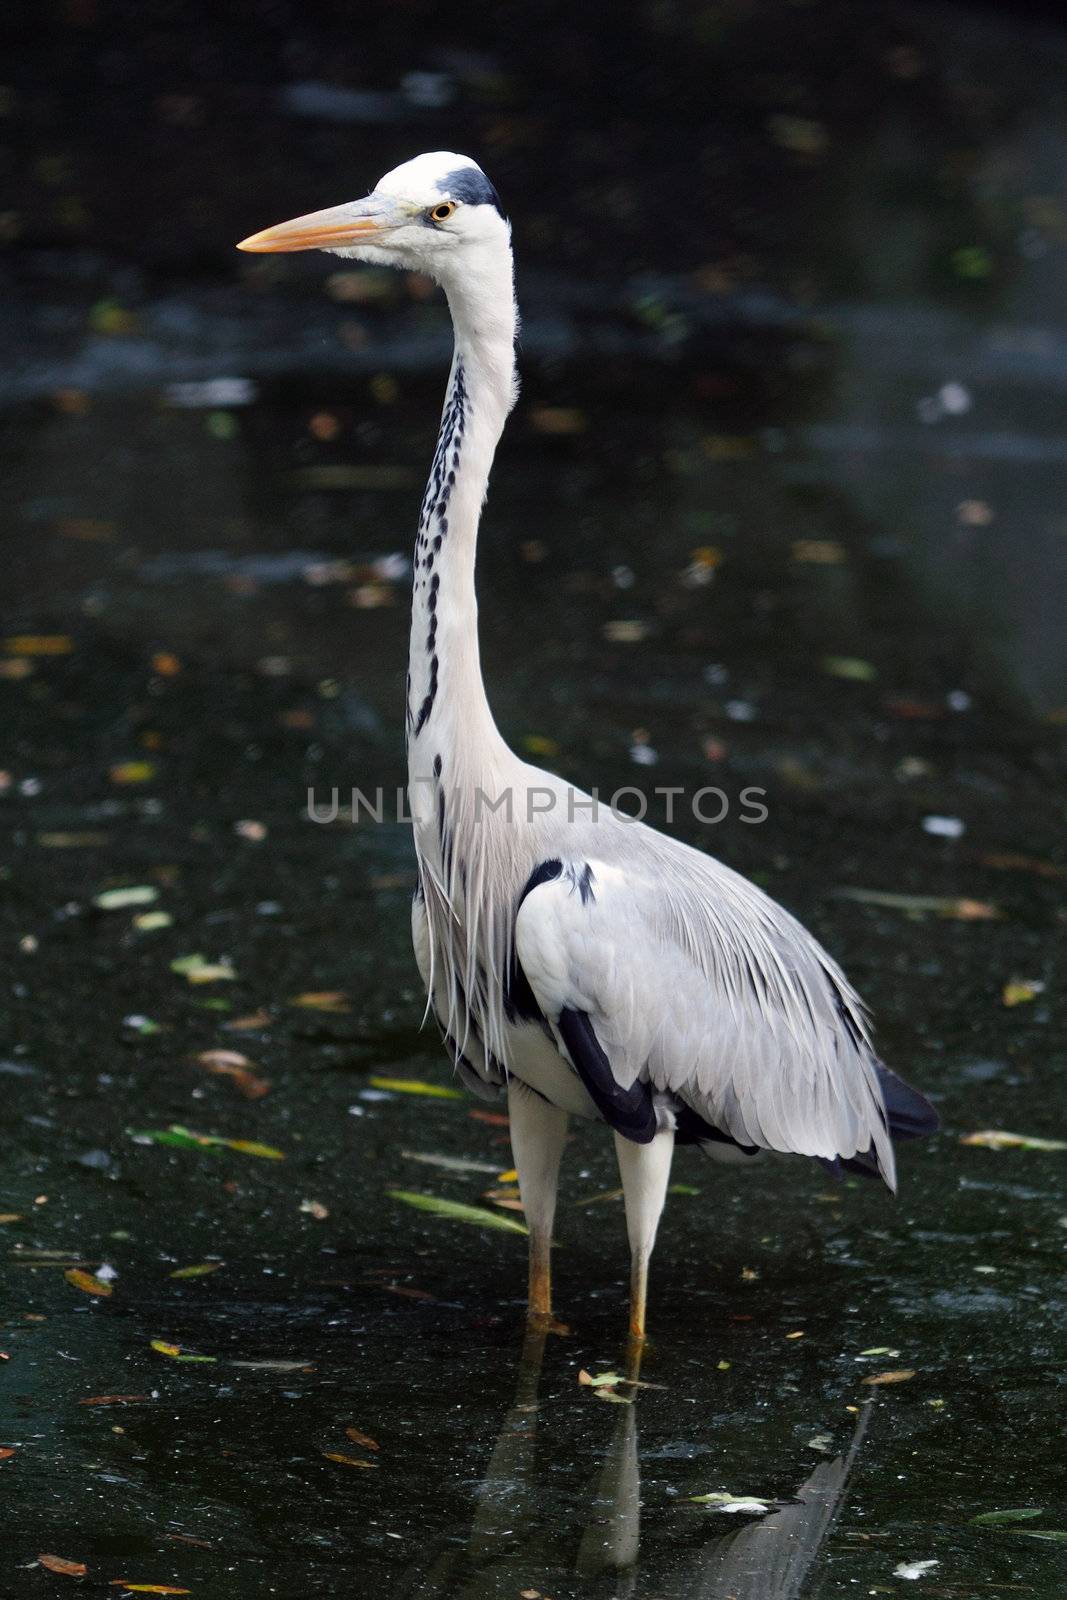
(447, 711)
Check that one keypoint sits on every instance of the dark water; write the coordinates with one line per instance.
(794, 522)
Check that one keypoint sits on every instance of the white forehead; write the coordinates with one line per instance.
(423, 178)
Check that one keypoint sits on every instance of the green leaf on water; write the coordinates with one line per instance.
(186, 1139)
(179, 1138)
(436, 1091)
(197, 970)
(851, 667)
(991, 1519)
(455, 1211)
(683, 1188)
(118, 899)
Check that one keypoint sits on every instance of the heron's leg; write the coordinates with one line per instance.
(538, 1134)
(645, 1170)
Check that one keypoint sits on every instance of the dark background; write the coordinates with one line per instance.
(781, 505)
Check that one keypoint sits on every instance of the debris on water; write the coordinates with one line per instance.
(363, 1439)
(185, 1139)
(346, 1460)
(850, 667)
(629, 630)
(143, 894)
(146, 1588)
(999, 1139)
(87, 1282)
(66, 1569)
(434, 1091)
(314, 1208)
(152, 921)
(914, 1569)
(238, 1068)
(961, 909)
(117, 1399)
(944, 827)
(142, 1025)
(456, 1211)
(878, 1350)
(747, 1504)
(249, 829)
(449, 1163)
(901, 1375)
(177, 1352)
(993, 1519)
(131, 772)
(198, 970)
(211, 392)
(332, 1001)
(1020, 991)
(202, 1269)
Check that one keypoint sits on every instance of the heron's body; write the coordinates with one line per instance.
(582, 961)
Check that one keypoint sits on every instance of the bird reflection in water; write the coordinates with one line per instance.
(515, 1543)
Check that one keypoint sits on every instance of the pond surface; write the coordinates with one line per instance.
(734, 540)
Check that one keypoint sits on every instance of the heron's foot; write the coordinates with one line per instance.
(545, 1322)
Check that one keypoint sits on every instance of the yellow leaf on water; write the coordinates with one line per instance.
(1020, 991)
(998, 1139)
(201, 1270)
(39, 644)
(87, 1282)
(347, 1461)
(166, 1349)
(132, 772)
(435, 1091)
(900, 1376)
(147, 1588)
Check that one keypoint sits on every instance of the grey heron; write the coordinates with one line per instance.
(581, 961)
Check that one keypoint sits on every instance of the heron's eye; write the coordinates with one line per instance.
(442, 212)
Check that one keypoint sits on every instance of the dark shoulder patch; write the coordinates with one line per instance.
(471, 186)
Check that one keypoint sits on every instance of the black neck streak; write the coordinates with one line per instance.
(433, 533)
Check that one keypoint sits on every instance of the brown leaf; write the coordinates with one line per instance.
(232, 1064)
(347, 1461)
(146, 1588)
(114, 1399)
(900, 1376)
(6, 1452)
(69, 1569)
(87, 1282)
(362, 1438)
(333, 1001)
(494, 1119)
(250, 1024)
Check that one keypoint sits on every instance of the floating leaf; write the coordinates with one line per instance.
(449, 1163)
(850, 667)
(880, 1350)
(128, 772)
(142, 894)
(87, 1282)
(314, 1208)
(39, 644)
(60, 1564)
(152, 921)
(175, 1351)
(900, 1376)
(992, 1519)
(10, 1216)
(1052, 1534)
(1020, 991)
(347, 1461)
(754, 1505)
(6, 1452)
(201, 1270)
(255, 1021)
(362, 1438)
(435, 1091)
(955, 906)
(332, 1001)
(275, 1366)
(914, 1569)
(147, 1588)
(455, 1211)
(115, 1399)
(232, 1064)
(998, 1139)
(185, 1139)
(197, 970)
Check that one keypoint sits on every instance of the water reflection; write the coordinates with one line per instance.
(520, 1539)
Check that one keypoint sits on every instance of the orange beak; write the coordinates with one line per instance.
(359, 222)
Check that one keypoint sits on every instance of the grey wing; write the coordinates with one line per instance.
(695, 984)
(478, 1071)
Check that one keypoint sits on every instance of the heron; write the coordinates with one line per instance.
(577, 960)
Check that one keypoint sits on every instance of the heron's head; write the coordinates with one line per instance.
(436, 214)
